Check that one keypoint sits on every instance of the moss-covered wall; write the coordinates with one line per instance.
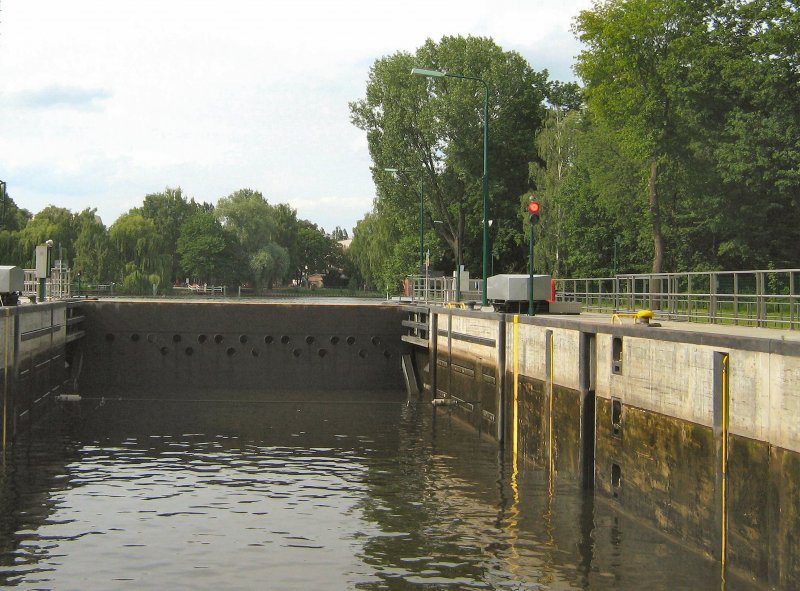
(656, 431)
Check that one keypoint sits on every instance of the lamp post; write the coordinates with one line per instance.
(421, 212)
(438, 74)
(3, 206)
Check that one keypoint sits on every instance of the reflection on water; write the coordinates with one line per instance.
(181, 495)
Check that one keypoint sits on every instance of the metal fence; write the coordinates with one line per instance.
(769, 298)
(422, 288)
(58, 285)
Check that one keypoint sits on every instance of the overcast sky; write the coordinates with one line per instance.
(105, 101)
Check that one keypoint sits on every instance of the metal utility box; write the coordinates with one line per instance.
(11, 279)
(514, 288)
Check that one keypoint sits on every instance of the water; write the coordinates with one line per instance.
(223, 495)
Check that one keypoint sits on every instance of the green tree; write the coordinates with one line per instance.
(434, 126)
(632, 67)
(556, 144)
(96, 259)
(269, 264)
(287, 235)
(168, 210)
(13, 220)
(205, 249)
(749, 63)
(250, 218)
(339, 234)
(52, 223)
(141, 251)
(316, 249)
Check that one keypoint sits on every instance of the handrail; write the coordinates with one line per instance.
(421, 288)
(762, 298)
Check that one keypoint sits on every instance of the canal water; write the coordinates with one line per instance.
(361, 493)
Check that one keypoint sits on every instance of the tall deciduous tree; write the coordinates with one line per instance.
(205, 249)
(632, 68)
(434, 128)
(248, 216)
(168, 210)
(556, 145)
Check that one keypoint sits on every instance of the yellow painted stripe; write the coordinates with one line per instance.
(5, 380)
(550, 458)
(725, 427)
(515, 432)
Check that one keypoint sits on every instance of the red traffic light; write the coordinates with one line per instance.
(533, 207)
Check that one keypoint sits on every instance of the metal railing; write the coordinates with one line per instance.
(421, 288)
(762, 298)
(58, 285)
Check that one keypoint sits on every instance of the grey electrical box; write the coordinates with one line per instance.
(11, 279)
(514, 288)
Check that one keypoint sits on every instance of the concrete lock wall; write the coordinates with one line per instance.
(146, 349)
(645, 416)
(33, 358)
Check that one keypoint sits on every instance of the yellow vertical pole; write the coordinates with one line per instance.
(550, 455)
(7, 322)
(515, 415)
(725, 426)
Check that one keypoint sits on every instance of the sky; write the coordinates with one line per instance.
(103, 102)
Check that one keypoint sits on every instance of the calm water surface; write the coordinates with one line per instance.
(350, 495)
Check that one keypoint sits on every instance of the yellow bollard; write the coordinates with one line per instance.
(640, 317)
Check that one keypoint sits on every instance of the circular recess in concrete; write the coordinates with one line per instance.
(151, 338)
(267, 339)
(351, 340)
(362, 353)
(243, 339)
(297, 352)
(231, 351)
(164, 350)
(201, 338)
(387, 353)
(218, 338)
(176, 338)
(189, 351)
(309, 340)
(334, 340)
(135, 337)
(376, 341)
(285, 339)
(322, 352)
(110, 337)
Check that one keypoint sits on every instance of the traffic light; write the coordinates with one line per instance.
(533, 212)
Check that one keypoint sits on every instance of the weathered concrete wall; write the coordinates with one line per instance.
(146, 349)
(637, 413)
(32, 355)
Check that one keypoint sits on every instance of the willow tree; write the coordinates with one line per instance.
(433, 128)
(141, 248)
(248, 217)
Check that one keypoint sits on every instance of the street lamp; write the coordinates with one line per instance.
(438, 74)
(421, 212)
(3, 197)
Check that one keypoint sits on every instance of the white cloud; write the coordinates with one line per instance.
(103, 102)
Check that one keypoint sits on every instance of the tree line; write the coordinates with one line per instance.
(169, 239)
(679, 150)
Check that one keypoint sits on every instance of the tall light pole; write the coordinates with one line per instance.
(421, 211)
(438, 74)
(3, 197)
